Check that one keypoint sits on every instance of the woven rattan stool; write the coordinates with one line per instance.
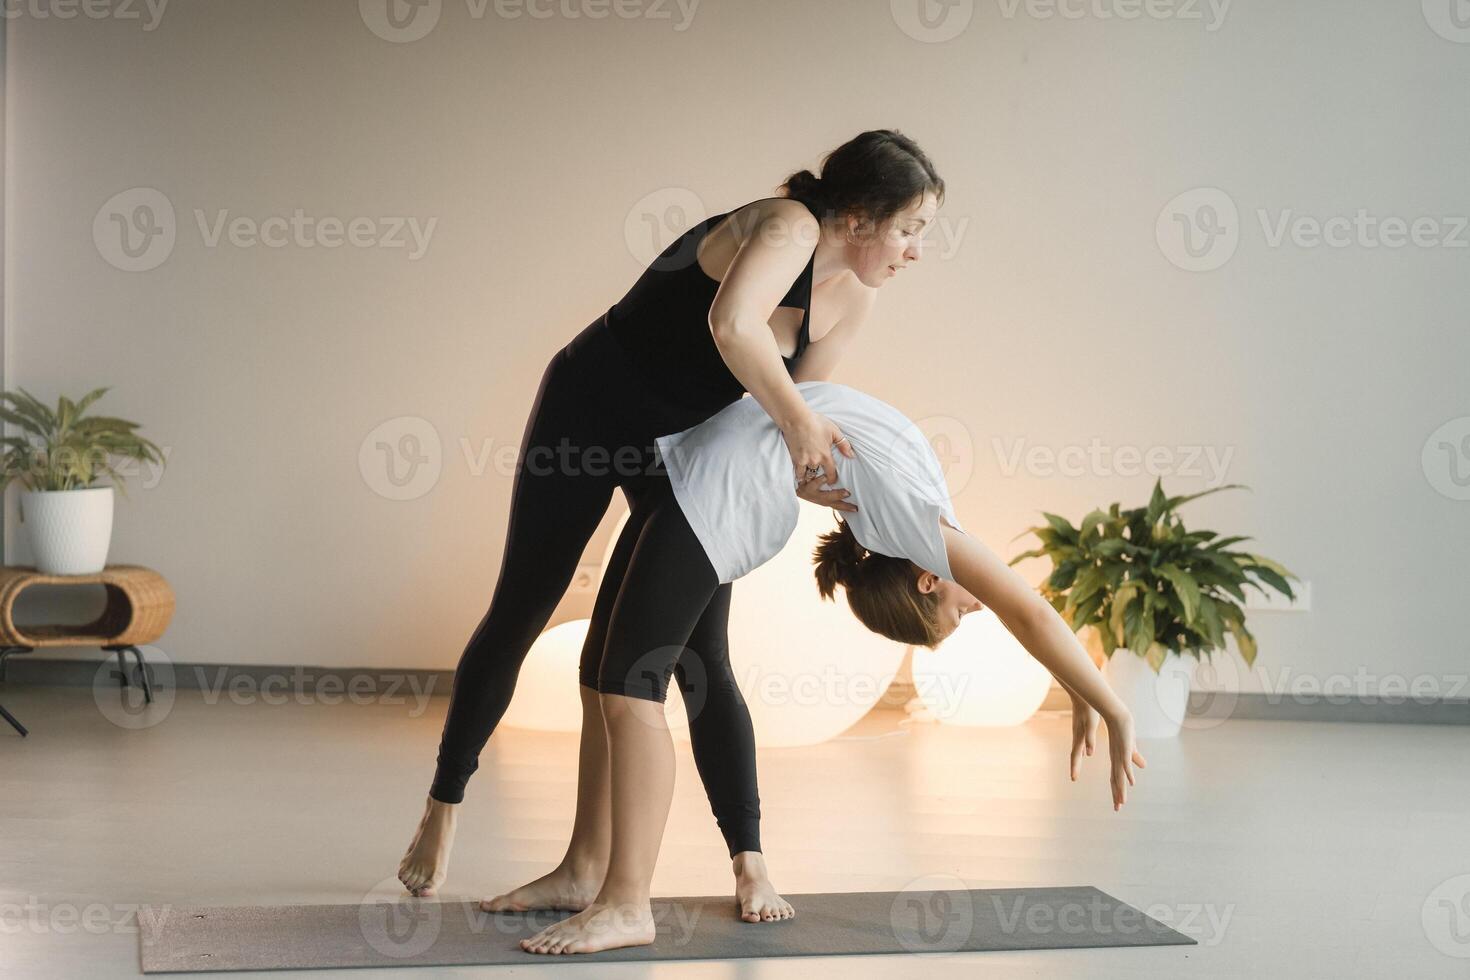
(139, 607)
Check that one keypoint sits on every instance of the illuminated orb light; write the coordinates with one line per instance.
(808, 670)
(981, 675)
(546, 698)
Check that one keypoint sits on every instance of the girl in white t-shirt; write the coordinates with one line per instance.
(732, 479)
(726, 503)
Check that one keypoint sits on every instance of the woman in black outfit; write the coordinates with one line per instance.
(683, 343)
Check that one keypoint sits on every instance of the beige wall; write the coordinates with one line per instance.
(1046, 314)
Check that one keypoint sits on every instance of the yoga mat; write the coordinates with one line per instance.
(427, 932)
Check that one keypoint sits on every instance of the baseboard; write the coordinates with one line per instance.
(366, 681)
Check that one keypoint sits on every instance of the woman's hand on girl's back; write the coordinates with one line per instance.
(810, 443)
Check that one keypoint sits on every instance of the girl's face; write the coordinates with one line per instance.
(955, 601)
(877, 255)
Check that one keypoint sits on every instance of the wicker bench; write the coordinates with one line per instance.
(138, 608)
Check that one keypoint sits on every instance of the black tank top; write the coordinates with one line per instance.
(663, 322)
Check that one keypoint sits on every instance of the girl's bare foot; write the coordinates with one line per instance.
(569, 886)
(757, 897)
(603, 924)
(426, 863)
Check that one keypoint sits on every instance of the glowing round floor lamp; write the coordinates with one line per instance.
(546, 697)
(980, 676)
(807, 668)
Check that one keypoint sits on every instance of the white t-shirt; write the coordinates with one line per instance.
(733, 479)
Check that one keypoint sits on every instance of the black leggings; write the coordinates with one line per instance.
(660, 609)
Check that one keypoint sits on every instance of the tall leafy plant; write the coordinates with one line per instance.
(64, 449)
(1149, 585)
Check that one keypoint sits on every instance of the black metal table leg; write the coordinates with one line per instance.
(143, 675)
(14, 723)
(122, 674)
(7, 651)
(122, 667)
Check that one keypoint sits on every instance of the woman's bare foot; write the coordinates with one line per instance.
(426, 863)
(754, 892)
(569, 886)
(604, 924)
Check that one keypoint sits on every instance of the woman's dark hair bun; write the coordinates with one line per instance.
(874, 175)
(804, 186)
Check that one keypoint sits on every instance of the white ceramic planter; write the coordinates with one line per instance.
(1158, 701)
(69, 530)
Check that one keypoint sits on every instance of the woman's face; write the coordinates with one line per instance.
(880, 255)
(955, 601)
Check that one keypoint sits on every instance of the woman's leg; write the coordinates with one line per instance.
(668, 584)
(556, 504)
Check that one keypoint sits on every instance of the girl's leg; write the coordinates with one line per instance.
(723, 743)
(573, 883)
(723, 740)
(722, 737)
(667, 586)
(720, 730)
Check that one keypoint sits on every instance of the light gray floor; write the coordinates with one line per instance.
(1288, 849)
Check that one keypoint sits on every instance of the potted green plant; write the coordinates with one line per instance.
(57, 458)
(1142, 586)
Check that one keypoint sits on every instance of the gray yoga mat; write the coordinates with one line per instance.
(427, 932)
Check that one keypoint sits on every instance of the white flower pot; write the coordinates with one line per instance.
(1157, 701)
(69, 530)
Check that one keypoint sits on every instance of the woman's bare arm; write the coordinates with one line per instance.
(773, 254)
(770, 257)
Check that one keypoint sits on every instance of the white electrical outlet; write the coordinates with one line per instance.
(1273, 601)
(585, 581)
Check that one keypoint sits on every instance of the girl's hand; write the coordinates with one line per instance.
(1125, 755)
(836, 499)
(810, 443)
(1084, 732)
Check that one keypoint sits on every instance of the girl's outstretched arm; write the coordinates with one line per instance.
(1047, 637)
